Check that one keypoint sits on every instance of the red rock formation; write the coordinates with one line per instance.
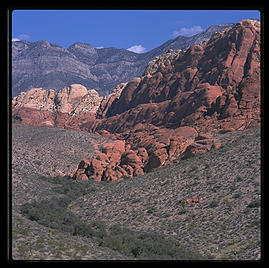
(194, 200)
(143, 149)
(113, 162)
(210, 87)
(202, 144)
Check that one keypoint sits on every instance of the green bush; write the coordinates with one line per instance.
(214, 204)
(83, 230)
(255, 203)
(145, 245)
(53, 213)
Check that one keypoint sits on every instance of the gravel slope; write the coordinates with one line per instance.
(226, 224)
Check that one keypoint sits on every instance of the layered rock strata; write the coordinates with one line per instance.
(210, 87)
(47, 65)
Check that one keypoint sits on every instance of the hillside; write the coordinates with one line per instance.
(225, 225)
(41, 151)
(50, 151)
(50, 66)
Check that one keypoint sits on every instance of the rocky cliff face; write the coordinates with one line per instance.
(168, 114)
(49, 66)
(170, 111)
(210, 86)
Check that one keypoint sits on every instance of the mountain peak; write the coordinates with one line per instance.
(80, 45)
(217, 26)
(250, 23)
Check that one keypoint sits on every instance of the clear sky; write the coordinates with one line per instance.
(137, 30)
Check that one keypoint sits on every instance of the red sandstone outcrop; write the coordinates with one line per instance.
(194, 200)
(155, 119)
(202, 144)
(113, 162)
(211, 86)
(109, 99)
(144, 148)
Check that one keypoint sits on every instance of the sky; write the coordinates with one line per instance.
(136, 30)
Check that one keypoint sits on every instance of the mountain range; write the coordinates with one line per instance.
(50, 66)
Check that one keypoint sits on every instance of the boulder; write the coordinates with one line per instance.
(202, 144)
(156, 159)
(117, 146)
(142, 154)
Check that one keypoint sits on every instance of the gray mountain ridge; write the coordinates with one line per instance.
(50, 66)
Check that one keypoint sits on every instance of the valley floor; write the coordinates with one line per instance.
(226, 225)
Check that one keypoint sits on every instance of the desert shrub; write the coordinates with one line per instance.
(238, 179)
(151, 210)
(237, 195)
(99, 229)
(213, 204)
(53, 213)
(145, 245)
(83, 229)
(37, 162)
(255, 203)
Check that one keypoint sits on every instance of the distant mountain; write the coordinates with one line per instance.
(47, 65)
(182, 42)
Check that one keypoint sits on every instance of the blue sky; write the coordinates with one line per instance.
(137, 30)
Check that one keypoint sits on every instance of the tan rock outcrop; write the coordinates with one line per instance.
(35, 98)
(69, 97)
(68, 108)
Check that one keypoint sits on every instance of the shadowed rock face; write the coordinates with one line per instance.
(213, 86)
(166, 114)
(203, 86)
(49, 66)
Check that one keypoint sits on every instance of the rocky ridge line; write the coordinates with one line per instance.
(45, 65)
(210, 87)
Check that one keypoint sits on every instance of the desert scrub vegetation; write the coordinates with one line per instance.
(49, 151)
(227, 179)
(146, 245)
(54, 213)
(152, 204)
(32, 241)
